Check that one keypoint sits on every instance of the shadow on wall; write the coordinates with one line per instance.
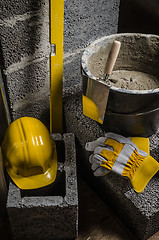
(1, 57)
(135, 17)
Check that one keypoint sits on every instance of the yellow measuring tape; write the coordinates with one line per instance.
(56, 64)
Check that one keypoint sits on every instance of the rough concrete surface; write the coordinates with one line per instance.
(50, 212)
(24, 39)
(140, 212)
(85, 21)
(28, 22)
(25, 47)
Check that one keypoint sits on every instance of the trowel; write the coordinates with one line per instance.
(5, 120)
(96, 91)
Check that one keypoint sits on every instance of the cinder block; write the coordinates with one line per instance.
(70, 75)
(19, 40)
(25, 46)
(12, 8)
(30, 80)
(140, 212)
(50, 212)
(28, 91)
(24, 38)
(80, 31)
(40, 109)
(25, 49)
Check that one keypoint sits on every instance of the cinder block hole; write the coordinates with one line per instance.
(60, 146)
(57, 188)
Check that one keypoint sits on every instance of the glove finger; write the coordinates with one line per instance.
(90, 158)
(96, 158)
(101, 172)
(95, 165)
(121, 139)
(142, 153)
(99, 149)
(117, 137)
(90, 146)
(101, 141)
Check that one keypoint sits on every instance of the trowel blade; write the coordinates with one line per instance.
(95, 97)
(5, 119)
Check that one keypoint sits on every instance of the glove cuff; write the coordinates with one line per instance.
(145, 172)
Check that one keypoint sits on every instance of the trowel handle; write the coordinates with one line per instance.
(112, 57)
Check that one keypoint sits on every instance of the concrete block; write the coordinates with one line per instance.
(50, 212)
(25, 47)
(30, 80)
(31, 97)
(39, 110)
(19, 40)
(140, 212)
(9, 9)
(70, 74)
(24, 38)
(28, 91)
(80, 31)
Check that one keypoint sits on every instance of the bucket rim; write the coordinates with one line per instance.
(86, 54)
(133, 114)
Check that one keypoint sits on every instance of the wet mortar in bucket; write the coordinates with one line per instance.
(134, 82)
(144, 79)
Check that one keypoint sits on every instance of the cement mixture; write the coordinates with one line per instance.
(132, 80)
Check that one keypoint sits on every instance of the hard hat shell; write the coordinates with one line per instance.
(29, 153)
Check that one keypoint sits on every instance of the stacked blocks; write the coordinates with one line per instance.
(140, 212)
(83, 23)
(25, 48)
(50, 212)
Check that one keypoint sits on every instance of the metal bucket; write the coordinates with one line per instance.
(129, 112)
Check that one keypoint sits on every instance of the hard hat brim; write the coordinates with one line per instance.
(36, 181)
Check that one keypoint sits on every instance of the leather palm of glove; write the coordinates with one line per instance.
(120, 155)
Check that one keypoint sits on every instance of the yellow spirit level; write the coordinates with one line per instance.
(5, 119)
(56, 63)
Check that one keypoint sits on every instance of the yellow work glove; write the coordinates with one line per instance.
(120, 155)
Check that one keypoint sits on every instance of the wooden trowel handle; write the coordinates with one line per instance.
(112, 57)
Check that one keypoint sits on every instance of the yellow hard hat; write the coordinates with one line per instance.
(29, 153)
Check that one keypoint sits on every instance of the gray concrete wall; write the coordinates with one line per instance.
(24, 39)
(25, 49)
